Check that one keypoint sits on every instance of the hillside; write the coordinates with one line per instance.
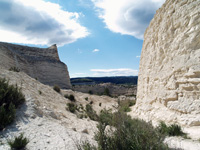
(129, 80)
(44, 119)
(42, 64)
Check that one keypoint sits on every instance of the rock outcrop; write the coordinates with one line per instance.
(40, 63)
(169, 76)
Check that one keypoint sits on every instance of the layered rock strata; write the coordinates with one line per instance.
(40, 63)
(169, 76)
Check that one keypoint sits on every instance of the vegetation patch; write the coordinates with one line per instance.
(125, 105)
(172, 130)
(15, 69)
(10, 98)
(90, 92)
(19, 143)
(70, 97)
(71, 107)
(56, 88)
(91, 113)
(106, 92)
(40, 92)
(125, 133)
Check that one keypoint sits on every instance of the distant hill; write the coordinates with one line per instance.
(130, 80)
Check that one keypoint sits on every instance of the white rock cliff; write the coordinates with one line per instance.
(169, 76)
(40, 63)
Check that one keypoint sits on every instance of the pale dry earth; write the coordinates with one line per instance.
(44, 119)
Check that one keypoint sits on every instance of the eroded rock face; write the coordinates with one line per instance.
(169, 76)
(40, 63)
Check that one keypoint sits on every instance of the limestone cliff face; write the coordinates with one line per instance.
(40, 63)
(169, 76)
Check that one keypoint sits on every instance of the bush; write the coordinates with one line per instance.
(56, 88)
(172, 130)
(85, 146)
(106, 117)
(70, 97)
(40, 92)
(91, 113)
(15, 69)
(71, 107)
(107, 92)
(86, 98)
(90, 92)
(127, 134)
(10, 98)
(125, 105)
(19, 143)
(7, 116)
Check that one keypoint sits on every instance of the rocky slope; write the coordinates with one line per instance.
(44, 119)
(40, 63)
(169, 76)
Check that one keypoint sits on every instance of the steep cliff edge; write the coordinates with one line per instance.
(169, 76)
(40, 63)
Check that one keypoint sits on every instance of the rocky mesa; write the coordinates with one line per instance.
(42, 64)
(169, 76)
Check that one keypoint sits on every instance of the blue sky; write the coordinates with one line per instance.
(94, 37)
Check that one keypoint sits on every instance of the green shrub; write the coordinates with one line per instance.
(70, 97)
(129, 134)
(15, 69)
(175, 130)
(86, 98)
(71, 107)
(40, 92)
(56, 88)
(7, 116)
(19, 143)
(91, 113)
(10, 98)
(86, 146)
(105, 117)
(107, 92)
(90, 92)
(172, 130)
(125, 105)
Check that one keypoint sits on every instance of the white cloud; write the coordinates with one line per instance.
(74, 75)
(137, 56)
(95, 50)
(129, 17)
(38, 22)
(115, 72)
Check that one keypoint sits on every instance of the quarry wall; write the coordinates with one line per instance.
(169, 73)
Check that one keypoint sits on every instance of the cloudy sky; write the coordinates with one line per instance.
(94, 37)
